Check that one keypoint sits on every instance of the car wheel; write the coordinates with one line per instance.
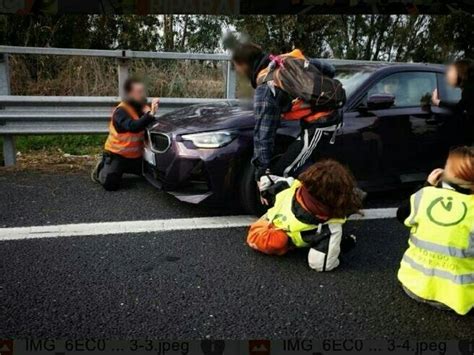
(249, 196)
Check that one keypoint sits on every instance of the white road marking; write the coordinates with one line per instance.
(151, 226)
(376, 213)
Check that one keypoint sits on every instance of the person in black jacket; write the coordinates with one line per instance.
(270, 103)
(460, 74)
(124, 146)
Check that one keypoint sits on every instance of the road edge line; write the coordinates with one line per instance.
(153, 226)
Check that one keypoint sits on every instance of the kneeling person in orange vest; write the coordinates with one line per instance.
(309, 213)
(124, 146)
(438, 266)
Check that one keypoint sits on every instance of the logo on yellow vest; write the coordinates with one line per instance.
(447, 212)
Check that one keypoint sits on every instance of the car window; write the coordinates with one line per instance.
(409, 88)
(351, 79)
(451, 94)
(447, 92)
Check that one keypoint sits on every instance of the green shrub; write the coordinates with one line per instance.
(70, 144)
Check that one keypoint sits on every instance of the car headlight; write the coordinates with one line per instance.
(210, 139)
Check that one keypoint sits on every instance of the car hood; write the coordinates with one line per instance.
(201, 118)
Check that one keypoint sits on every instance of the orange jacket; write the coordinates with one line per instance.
(127, 144)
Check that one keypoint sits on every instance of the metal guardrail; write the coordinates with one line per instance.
(26, 115)
(57, 114)
(112, 53)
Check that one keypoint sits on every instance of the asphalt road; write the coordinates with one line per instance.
(182, 284)
(29, 199)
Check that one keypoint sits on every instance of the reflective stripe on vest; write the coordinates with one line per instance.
(459, 279)
(439, 263)
(446, 250)
(126, 144)
(282, 216)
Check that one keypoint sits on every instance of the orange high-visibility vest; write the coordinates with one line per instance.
(300, 110)
(127, 144)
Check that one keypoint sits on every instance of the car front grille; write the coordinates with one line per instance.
(159, 142)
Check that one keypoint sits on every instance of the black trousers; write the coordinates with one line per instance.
(311, 145)
(113, 166)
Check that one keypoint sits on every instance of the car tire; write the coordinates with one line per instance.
(249, 196)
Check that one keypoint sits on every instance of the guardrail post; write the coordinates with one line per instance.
(230, 81)
(9, 150)
(4, 75)
(122, 69)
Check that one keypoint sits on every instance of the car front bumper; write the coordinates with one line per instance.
(196, 175)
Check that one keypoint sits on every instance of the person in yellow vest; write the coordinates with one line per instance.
(271, 104)
(124, 146)
(309, 213)
(438, 266)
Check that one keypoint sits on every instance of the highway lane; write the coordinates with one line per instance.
(192, 283)
(209, 284)
(29, 199)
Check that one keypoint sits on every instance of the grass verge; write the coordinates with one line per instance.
(70, 144)
(56, 152)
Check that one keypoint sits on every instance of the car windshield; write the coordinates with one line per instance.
(352, 78)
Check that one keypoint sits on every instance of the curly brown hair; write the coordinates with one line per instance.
(334, 186)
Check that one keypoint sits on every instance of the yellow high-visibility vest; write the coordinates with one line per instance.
(283, 217)
(126, 144)
(439, 263)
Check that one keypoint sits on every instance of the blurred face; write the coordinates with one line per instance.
(452, 76)
(391, 86)
(137, 93)
(241, 68)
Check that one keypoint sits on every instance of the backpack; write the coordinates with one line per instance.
(303, 82)
(266, 238)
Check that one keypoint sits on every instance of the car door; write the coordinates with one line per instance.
(445, 126)
(388, 139)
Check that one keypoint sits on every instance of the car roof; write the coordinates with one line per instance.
(371, 66)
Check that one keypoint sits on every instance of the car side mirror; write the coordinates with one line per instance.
(380, 102)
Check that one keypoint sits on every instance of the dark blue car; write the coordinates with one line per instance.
(391, 135)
